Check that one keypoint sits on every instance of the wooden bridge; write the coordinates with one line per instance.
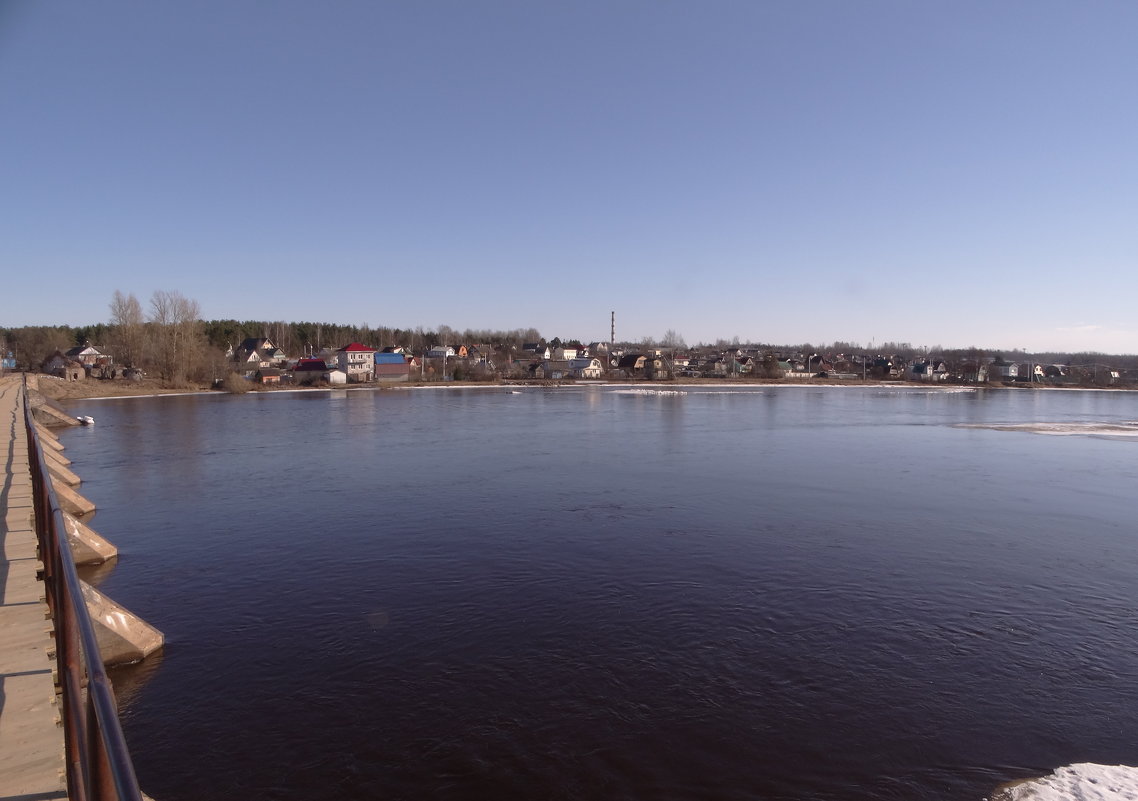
(31, 733)
(60, 736)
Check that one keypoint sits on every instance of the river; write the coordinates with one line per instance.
(620, 593)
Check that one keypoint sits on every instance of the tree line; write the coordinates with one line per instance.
(168, 338)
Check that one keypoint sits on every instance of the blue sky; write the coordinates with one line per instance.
(954, 173)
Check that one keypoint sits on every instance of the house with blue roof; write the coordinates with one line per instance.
(392, 368)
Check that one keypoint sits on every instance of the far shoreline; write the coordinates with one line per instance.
(95, 389)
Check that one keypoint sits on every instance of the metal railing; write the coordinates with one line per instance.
(98, 762)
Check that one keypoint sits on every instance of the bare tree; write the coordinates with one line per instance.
(448, 336)
(282, 336)
(673, 341)
(176, 323)
(127, 328)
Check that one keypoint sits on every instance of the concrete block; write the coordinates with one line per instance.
(47, 441)
(50, 455)
(62, 474)
(123, 636)
(87, 547)
(70, 500)
(45, 433)
(46, 411)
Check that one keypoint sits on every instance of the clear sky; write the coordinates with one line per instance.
(958, 173)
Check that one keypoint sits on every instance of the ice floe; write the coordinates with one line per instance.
(1081, 782)
(649, 392)
(1125, 430)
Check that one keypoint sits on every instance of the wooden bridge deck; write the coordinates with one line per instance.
(31, 737)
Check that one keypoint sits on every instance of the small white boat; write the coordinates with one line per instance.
(85, 420)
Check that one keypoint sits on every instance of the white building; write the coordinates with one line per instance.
(586, 368)
(357, 361)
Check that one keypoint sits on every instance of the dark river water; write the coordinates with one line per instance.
(596, 593)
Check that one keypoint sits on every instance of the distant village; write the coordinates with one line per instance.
(259, 361)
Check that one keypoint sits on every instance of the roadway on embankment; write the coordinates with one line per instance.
(31, 739)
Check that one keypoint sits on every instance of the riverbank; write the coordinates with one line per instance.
(61, 390)
(94, 389)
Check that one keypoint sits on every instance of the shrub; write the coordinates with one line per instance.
(236, 384)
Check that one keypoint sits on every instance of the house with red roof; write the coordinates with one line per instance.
(358, 362)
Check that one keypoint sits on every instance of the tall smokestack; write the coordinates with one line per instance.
(612, 332)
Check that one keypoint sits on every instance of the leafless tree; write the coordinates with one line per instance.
(127, 329)
(281, 335)
(673, 341)
(175, 325)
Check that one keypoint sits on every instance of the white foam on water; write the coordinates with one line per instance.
(1080, 782)
(1127, 430)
